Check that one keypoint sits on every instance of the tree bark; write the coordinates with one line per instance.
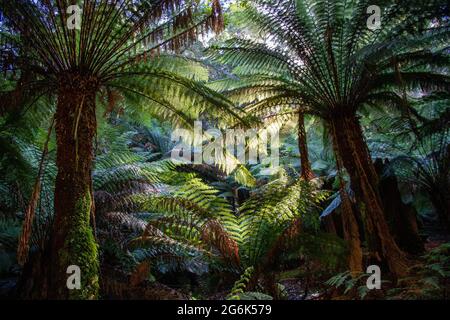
(439, 195)
(401, 217)
(440, 200)
(329, 225)
(351, 235)
(306, 172)
(352, 149)
(350, 227)
(72, 239)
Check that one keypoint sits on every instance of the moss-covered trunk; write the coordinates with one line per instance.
(351, 147)
(72, 239)
(306, 171)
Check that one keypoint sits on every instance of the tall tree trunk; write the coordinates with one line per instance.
(72, 239)
(401, 217)
(440, 199)
(350, 228)
(306, 171)
(352, 149)
(329, 225)
(351, 235)
(439, 195)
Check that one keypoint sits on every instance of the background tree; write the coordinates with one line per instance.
(327, 56)
(115, 44)
(271, 101)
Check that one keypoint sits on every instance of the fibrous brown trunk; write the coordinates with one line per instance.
(440, 198)
(306, 171)
(438, 190)
(34, 278)
(401, 217)
(350, 228)
(72, 239)
(329, 225)
(352, 149)
(351, 235)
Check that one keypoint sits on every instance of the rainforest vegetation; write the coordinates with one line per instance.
(99, 100)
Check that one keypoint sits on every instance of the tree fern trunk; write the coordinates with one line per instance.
(401, 217)
(72, 240)
(306, 171)
(441, 202)
(351, 235)
(350, 144)
(350, 227)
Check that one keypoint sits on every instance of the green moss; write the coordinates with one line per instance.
(81, 249)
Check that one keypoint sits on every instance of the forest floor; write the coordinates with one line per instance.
(7, 285)
(294, 284)
(294, 289)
